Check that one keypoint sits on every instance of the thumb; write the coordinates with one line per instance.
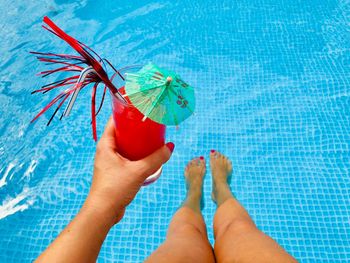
(154, 161)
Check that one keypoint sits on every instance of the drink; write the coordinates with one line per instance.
(135, 138)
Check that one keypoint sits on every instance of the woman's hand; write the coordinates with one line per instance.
(115, 183)
(116, 179)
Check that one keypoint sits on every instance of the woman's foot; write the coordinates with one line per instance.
(221, 169)
(194, 174)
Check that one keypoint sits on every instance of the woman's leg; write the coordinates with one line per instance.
(237, 239)
(187, 239)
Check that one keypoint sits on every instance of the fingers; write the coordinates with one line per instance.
(108, 140)
(150, 164)
(109, 129)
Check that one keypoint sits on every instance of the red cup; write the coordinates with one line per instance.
(135, 138)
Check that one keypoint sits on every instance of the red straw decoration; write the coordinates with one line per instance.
(93, 109)
(73, 63)
(102, 100)
(57, 98)
(78, 47)
(58, 107)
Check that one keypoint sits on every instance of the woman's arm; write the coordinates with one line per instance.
(82, 239)
(115, 183)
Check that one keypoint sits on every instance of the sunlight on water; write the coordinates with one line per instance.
(272, 85)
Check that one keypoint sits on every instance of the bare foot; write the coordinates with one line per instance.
(194, 174)
(221, 169)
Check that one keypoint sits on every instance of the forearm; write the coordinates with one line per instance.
(82, 239)
(115, 183)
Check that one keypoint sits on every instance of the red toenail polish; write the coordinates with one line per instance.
(212, 151)
(202, 158)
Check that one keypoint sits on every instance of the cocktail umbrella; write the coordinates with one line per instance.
(160, 95)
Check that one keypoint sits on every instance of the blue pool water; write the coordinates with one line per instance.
(272, 82)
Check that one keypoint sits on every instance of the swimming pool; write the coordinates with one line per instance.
(272, 82)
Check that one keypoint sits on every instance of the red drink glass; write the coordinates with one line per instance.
(135, 138)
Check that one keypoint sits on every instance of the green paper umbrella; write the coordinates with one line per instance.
(160, 95)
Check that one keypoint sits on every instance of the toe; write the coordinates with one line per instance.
(219, 155)
(195, 163)
(192, 162)
(213, 154)
(229, 166)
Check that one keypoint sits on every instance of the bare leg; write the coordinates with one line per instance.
(237, 239)
(187, 239)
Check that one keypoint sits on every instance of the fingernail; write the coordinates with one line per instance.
(212, 151)
(202, 158)
(170, 146)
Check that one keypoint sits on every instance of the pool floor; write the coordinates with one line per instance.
(272, 85)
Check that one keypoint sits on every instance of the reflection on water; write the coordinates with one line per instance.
(272, 87)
